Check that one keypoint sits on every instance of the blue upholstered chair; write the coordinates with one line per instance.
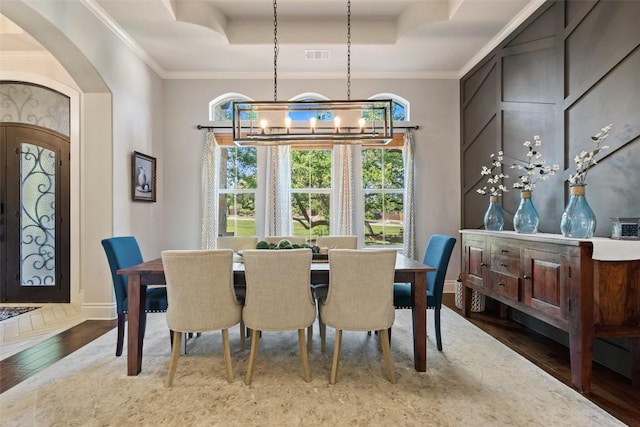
(123, 252)
(437, 255)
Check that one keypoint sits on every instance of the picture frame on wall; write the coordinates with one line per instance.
(143, 177)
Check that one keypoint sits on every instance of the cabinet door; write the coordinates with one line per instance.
(546, 282)
(474, 261)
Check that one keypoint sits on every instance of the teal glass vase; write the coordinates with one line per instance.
(578, 220)
(526, 219)
(494, 217)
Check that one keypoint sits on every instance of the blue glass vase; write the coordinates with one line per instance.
(526, 220)
(494, 217)
(578, 220)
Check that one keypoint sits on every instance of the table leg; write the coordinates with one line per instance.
(419, 313)
(137, 297)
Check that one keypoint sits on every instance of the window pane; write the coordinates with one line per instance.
(372, 166)
(383, 219)
(310, 169)
(393, 169)
(310, 214)
(37, 216)
(237, 215)
(398, 111)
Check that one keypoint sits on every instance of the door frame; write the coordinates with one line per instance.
(10, 291)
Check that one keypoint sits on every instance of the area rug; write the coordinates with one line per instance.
(475, 381)
(9, 312)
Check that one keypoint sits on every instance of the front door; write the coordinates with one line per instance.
(34, 214)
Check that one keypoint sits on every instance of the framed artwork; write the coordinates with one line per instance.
(143, 177)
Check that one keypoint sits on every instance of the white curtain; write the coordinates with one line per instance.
(343, 223)
(409, 226)
(210, 185)
(278, 198)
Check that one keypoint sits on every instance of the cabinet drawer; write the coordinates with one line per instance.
(503, 284)
(505, 250)
(505, 264)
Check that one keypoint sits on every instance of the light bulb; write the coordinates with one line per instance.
(287, 123)
(312, 123)
(361, 123)
(336, 122)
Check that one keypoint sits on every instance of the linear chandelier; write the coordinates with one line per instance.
(312, 122)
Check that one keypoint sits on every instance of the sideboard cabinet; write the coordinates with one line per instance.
(554, 279)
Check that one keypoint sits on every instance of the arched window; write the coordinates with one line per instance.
(383, 184)
(221, 108)
(304, 116)
(399, 108)
(238, 175)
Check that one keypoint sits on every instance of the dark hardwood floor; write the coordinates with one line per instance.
(610, 391)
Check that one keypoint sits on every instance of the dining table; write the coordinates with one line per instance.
(151, 273)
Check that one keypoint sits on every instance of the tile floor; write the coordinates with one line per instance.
(20, 332)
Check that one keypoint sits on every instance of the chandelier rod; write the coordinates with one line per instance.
(348, 50)
(276, 49)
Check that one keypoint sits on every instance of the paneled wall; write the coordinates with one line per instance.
(570, 69)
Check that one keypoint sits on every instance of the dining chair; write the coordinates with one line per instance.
(296, 240)
(437, 255)
(320, 290)
(337, 242)
(360, 298)
(201, 298)
(236, 243)
(278, 298)
(124, 252)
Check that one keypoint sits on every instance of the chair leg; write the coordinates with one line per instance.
(304, 357)
(175, 354)
(227, 354)
(309, 337)
(120, 341)
(386, 354)
(436, 316)
(323, 337)
(336, 356)
(243, 338)
(252, 356)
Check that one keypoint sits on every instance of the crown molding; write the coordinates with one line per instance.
(528, 10)
(205, 75)
(103, 16)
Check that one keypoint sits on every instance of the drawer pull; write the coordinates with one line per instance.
(504, 251)
(501, 284)
(482, 264)
(503, 264)
(526, 277)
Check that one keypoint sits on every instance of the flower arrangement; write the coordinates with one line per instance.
(536, 168)
(495, 186)
(586, 159)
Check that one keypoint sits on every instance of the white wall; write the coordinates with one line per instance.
(434, 107)
(120, 111)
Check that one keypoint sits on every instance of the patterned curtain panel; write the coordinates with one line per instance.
(278, 197)
(210, 185)
(409, 225)
(343, 223)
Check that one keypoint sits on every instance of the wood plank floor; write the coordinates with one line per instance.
(610, 391)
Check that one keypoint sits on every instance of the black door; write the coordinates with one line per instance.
(34, 214)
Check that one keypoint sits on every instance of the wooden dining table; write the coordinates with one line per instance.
(151, 273)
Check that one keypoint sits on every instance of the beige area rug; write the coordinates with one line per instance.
(475, 381)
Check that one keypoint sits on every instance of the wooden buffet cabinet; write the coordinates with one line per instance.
(554, 279)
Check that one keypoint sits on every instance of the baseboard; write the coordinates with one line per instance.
(99, 311)
(449, 286)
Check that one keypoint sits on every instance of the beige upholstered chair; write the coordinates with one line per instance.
(237, 243)
(297, 240)
(320, 291)
(360, 298)
(337, 242)
(278, 298)
(201, 298)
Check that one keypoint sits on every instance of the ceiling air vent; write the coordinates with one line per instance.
(317, 55)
